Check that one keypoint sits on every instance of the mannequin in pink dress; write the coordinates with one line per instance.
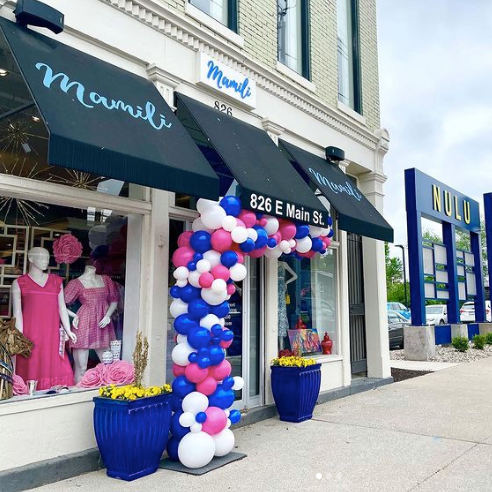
(99, 298)
(39, 309)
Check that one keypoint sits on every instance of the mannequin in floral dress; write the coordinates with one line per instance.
(98, 296)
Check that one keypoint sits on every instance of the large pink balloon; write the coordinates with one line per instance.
(257, 253)
(240, 222)
(221, 240)
(206, 279)
(216, 421)
(184, 238)
(248, 217)
(195, 374)
(207, 386)
(221, 371)
(178, 370)
(287, 229)
(220, 271)
(182, 256)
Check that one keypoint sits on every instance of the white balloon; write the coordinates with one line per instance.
(315, 231)
(292, 243)
(273, 253)
(224, 442)
(180, 354)
(239, 234)
(288, 250)
(228, 424)
(198, 225)
(187, 419)
(208, 295)
(196, 450)
(227, 412)
(209, 321)
(213, 217)
(182, 283)
(284, 245)
(196, 427)
(203, 266)
(181, 273)
(238, 383)
(194, 277)
(325, 231)
(203, 204)
(194, 402)
(304, 245)
(271, 227)
(213, 257)
(229, 223)
(219, 286)
(252, 234)
(178, 307)
(222, 322)
(181, 339)
(238, 272)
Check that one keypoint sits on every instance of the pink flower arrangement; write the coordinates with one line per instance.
(67, 249)
(119, 372)
(93, 378)
(19, 386)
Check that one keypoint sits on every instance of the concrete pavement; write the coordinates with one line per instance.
(432, 433)
(421, 365)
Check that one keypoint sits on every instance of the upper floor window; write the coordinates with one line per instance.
(349, 89)
(223, 11)
(293, 35)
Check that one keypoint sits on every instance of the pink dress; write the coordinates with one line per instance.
(41, 320)
(95, 302)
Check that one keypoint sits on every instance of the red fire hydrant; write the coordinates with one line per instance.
(327, 344)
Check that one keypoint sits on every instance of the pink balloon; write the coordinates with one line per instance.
(225, 345)
(240, 222)
(195, 374)
(221, 240)
(207, 386)
(205, 280)
(221, 371)
(327, 242)
(220, 271)
(178, 370)
(277, 236)
(249, 218)
(309, 254)
(182, 256)
(287, 229)
(216, 421)
(231, 289)
(184, 238)
(240, 257)
(263, 222)
(257, 253)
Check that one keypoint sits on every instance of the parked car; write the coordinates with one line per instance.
(400, 308)
(467, 312)
(436, 314)
(396, 323)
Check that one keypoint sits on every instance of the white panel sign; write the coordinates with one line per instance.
(228, 82)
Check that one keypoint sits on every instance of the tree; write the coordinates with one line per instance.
(394, 277)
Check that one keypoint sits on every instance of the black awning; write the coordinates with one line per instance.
(237, 150)
(104, 120)
(355, 213)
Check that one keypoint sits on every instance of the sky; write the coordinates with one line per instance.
(435, 72)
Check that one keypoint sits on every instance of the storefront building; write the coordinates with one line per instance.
(226, 106)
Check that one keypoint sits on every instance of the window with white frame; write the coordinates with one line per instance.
(223, 11)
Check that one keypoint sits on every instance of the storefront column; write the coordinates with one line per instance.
(378, 363)
(271, 322)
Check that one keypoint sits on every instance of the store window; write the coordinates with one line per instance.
(224, 11)
(348, 53)
(307, 303)
(293, 35)
(93, 257)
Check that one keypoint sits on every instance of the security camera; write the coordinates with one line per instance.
(334, 154)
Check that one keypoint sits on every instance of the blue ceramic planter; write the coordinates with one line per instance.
(132, 435)
(295, 391)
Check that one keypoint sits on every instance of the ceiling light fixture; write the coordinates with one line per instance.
(3, 72)
(36, 119)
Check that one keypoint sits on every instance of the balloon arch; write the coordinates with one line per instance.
(208, 261)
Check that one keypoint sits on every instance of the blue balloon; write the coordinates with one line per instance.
(198, 337)
(227, 335)
(318, 244)
(247, 246)
(231, 204)
(228, 383)
(222, 310)
(176, 403)
(198, 309)
(330, 220)
(177, 430)
(262, 237)
(302, 231)
(234, 416)
(175, 292)
(200, 241)
(228, 258)
(191, 266)
(330, 234)
(183, 324)
(216, 355)
(188, 293)
(272, 242)
(229, 281)
(172, 448)
(322, 252)
(203, 362)
(193, 357)
(197, 257)
(216, 330)
(216, 340)
(221, 398)
(201, 417)
(182, 387)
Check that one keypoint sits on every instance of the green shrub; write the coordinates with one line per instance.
(460, 343)
(479, 341)
(488, 338)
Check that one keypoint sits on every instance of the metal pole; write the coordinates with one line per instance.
(404, 271)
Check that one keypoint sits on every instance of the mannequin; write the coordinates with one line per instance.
(99, 298)
(283, 321)
(39, 308)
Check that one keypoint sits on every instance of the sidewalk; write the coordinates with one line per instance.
(432, 433)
